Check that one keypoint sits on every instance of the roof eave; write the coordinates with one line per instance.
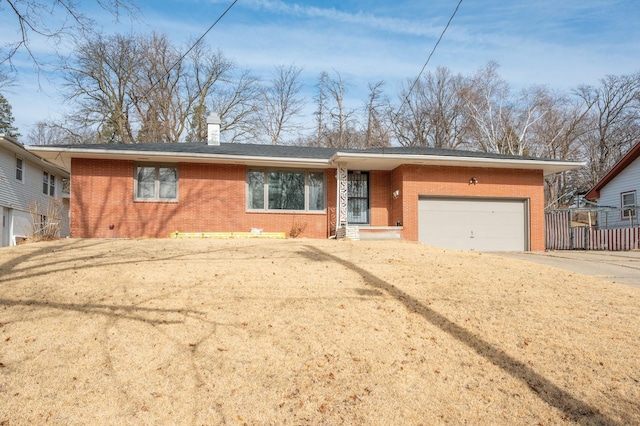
(394, 160)
(63, 155)
(630, 157)
(23, 151)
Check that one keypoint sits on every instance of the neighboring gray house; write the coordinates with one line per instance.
(26, 181)
(619, 190)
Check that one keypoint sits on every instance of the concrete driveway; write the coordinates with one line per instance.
(621, 267)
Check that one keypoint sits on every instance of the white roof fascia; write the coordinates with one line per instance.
(186, 157)
(22, 151)
(391, 161)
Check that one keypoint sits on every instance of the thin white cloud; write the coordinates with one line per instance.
(361, 18)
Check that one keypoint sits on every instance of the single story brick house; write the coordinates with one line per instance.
(447, 198)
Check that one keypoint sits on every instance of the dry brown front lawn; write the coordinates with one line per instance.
(202, 332)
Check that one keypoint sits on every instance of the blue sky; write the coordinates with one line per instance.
(559, 43)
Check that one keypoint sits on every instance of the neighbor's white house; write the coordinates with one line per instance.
(27, 180)
(619, 189)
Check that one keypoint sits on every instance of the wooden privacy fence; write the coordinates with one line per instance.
(560, 235)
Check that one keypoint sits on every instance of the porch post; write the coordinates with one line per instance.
(341, 208)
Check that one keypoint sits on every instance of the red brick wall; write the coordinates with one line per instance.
(211, 198)
(454, 181)
(380, 198)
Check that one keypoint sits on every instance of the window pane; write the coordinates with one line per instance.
(146, 182)
(286, 190)
(52, 185)
(628, 204)
(168, 181)
(45, 183)
(255, 189)
(316, 191)
(357, 210)
(19, 168)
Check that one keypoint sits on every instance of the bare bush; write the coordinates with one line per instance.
(297, 228)
(45, 222)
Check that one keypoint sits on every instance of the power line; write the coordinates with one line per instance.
(200, 39)
(415, 82)
(188, 50)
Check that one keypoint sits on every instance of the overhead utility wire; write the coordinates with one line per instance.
(415, 82)
(202, 36)
(191, 48)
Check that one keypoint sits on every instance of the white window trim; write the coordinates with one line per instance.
(22, 171)
(50, 176)
(626, 207)
(156, 187)
(266, 208)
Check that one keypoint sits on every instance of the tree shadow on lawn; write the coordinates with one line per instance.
(117, 311)
(575, 409)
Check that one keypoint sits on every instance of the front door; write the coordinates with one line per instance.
(358, 198)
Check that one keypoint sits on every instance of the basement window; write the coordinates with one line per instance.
(285, 190)
(156, 183)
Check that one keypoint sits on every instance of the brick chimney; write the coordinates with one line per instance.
(213, 129)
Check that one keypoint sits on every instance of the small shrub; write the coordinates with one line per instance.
(297, 228)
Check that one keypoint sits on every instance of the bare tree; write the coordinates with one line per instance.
(53, 20)
(557, 135)
(431, 111)
(411, 121)
(102, 82)
(614, 116)
(338, 130)
(321, 111)
(156, 94)
(141, 89)
(445, 107)
(49, 132)
(236, 104)
(501, 123)
(281, 103)
(209, 69)
(376, 112)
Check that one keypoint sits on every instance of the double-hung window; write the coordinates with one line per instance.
(48, 184)
(288, 190)
(156, 183)
(628, 204)
(19, 169)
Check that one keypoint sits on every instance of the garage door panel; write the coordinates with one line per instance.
(477, 224)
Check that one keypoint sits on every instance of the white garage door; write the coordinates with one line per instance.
(473, 223)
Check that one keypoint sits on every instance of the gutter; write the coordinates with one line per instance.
(226, 158)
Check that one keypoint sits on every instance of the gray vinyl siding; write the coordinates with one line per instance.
(16, 196)
(610, 196)
(12, 192)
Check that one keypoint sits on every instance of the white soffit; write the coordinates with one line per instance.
(360, 161)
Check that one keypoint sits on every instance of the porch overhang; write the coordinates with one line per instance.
(369, 161)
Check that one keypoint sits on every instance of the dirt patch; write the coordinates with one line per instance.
(308, 332)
